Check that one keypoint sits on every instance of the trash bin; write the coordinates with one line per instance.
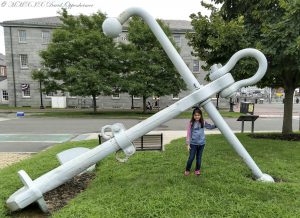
(261, 100)
(247, 107)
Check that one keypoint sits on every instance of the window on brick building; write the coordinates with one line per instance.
(46, 36)
(2, 71)
(175, 96)
(24, 60)
(4, 95)
(124, 37)
(177, 40)
(22, 36)
(116, 93)
(196, 66)
(25, 90)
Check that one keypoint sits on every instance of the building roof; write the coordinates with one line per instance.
(34, 22)
(175, 25)
(2, 60)
(179, 24)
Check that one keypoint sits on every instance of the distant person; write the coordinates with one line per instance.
(195, 140)
(156, 102)
(149, 106)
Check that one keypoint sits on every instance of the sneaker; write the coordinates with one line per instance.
(197, 172)
(186, 173)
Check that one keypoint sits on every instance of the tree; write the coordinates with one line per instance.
(281, 43)
(151, 71)
(271, 26)
(81, 59)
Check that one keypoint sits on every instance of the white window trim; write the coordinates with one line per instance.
(112, 96)
(23, 91)
(175, 98)
(49, 39)
(124, 37)
(136, 97)
(23, 67)
(3, 99)
(2, 69)
(177, 43)
(196, 71)
(116, 92)
(20, 37)
(23, 96)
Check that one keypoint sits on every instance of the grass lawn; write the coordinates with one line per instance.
(152, 184)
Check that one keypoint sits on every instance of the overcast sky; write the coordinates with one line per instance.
(164, 9)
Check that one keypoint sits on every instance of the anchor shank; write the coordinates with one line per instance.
(172, 53)
(180, 106)
(231, 138)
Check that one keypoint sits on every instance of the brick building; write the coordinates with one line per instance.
(25, 38)
(3, 81)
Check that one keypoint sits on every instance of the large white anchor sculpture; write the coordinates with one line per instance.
(222, 82)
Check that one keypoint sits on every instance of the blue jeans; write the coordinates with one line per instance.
(195, 150)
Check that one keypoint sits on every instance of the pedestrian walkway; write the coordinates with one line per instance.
(8, 158)
(4, 119)
(295, 117)
(48, 138)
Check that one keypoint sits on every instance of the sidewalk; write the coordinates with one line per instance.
(8, 158)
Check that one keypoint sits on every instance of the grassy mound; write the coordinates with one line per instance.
(152, 184)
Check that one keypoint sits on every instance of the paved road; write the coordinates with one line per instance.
(87, 125)
(32, 134)
(272, 109)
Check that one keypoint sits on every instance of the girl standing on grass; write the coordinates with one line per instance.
(195, 141)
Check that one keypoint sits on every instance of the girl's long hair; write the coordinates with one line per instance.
(197, 110)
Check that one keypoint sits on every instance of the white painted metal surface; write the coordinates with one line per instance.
(222, 82)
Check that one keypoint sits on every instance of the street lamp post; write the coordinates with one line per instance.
(217, 106)
(41, 95)
(132, 106)
(231, 105)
